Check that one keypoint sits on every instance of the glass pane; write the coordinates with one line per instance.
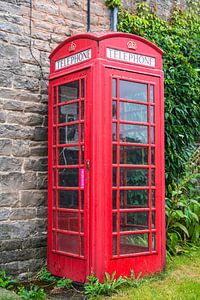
(114, 154)
(82, 132)
(69, 91)
(133, 177)
(114, 245)
(153, 198)
(114, 199)
(114, 132)
(54, 136)
(114, 176)
(54, 156)
(153, 219)
(68, 113)
(133, 90)
(152, 177)
(82, 110)
(54, 198)
(82, 199)
(152, 93)
(82, 154)
(54, 95)
(133, 198)
(68, 243)
(68, 177)
(54, 177)
(152, 156)
(131, 221)
(68, 134)
(114, 109)
(54, 223)
(68, 221)
(114, 222)
(82, 222)
(68, 199)
(54, 116)
(68, 156)
(133, 112)
(114, 85)
(53, 241)
(134, 243)
(153, 241)
(133, 133)
(152, 135)
(152, 119)
(82, 88)
(82, 245)
(133, 155)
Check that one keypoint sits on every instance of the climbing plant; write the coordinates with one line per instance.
(179, 37)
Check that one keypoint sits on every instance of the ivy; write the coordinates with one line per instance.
(179, 37)
(113, 3)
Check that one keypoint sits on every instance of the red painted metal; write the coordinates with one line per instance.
(106, 157)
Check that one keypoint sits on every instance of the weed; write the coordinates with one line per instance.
(45, 275)
(32, 293)
(64, 283)
(6, 281)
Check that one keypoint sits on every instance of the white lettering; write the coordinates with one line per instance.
(73, 59)
(131, 57)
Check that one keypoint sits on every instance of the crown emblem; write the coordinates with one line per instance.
(132, 45)
(72, 47)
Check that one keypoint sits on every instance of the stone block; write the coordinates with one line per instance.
(16, 255)
(35, 242)
(42, 182)
(9, 199)
(16, 131)
(2, 116)
(38, 164)
(4, 214)
(23, 214)
(36, 108)
(12, 94)
(33, 198)
(17, 181)
(7, 245)
(20, 148)
(25, 82)
(39, 151)
(25, 119)
(40, 134)
(41, 212)
(13, 105)
(10, 164)
(5, 147)
(6, 79)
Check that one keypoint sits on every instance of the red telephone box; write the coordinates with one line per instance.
(106, 157)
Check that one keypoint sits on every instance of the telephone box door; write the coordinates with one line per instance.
(68, 209)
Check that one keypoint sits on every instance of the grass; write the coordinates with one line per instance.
(180, 281)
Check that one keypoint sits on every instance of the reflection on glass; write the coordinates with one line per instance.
(114, 245)
(82, 110)
(153, 156)
(114, 176)
(152, 176)
(82, 154)
(153, 198)
(133, 155)
(134, 243)
(82, 199)
(114, 222)
(68, 221)
(151, 93)
(68, 177)
(153, 241)
(114, 132)
(133, 198)
(152, 119)
(133, 177)
(133, 90)
(68, 113)
(133, 112)
(68, 199)
(114, 109)
(114, 85)
(68, 91)
(68, 243)
(82, 88)
(131, 221)
(82, 132)
(114, 199)
(153, 219)
(68, 156)
(133, 133)
(152, 135)
(68, 134)
(114, 154)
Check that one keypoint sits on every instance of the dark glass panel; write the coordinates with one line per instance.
(82, 245)
(54, 198)
(152, 93)
(53, 241)
(82, 199)
(68, 221)
(114, 245)
(54, 156)
(133, 133)
(69, 113)
(133, 90)
(82, 88)
(134, 243)
(69, 91)
(54, 177)
(133, 198)
(114, 154)
(82, 110)
(153, 241)
(114, 110)
(114, 176)
(114, 86)
(54, 115)
(68, 134)
(152, 177)
(54, 135)
(114, 222)
(68, 156)
(82, 154)
(114, 132)
(68, 243)
(54, 223)
(152, 135)
(133, 112)
(68, 177)
(133, 155)
(133, 177)
(54, 95)
(114, 199)
(153, 156)
(153, 198)
(131, 221)
(153, 219)
(68, 199)
(82, 132)
(152, 113)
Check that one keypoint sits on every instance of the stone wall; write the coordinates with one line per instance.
(23, 119)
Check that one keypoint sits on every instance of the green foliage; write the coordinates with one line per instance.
(113, 3)
(179, 37)
(94, 288)
(183, 208)
(32, 293)
(6, 281)
(45, 275)
(64, 283)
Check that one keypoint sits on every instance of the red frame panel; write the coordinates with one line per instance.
(98, 71)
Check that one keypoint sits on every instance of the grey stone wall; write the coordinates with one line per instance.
(23, 119)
